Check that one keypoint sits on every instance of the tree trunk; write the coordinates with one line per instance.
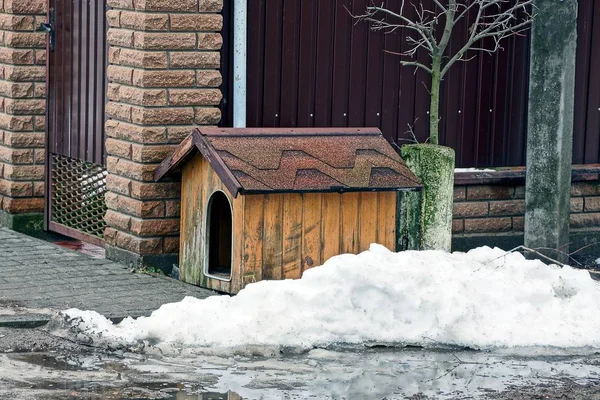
(434, 107)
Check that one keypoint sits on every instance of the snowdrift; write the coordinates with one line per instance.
(481, 299)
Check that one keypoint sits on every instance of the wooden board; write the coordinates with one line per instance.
(273, 234)
(292, 236)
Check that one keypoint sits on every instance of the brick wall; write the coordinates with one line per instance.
(22, 106)
(492, 203)
(163, 80)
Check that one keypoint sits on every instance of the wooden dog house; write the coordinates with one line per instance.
(269, 203)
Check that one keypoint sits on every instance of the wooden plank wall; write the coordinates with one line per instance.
(285, 234)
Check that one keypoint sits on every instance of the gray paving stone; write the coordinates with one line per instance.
(38, 275)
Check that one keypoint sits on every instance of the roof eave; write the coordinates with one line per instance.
(191, 144)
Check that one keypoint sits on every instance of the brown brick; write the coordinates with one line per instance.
(23, 172)
(585, 220)
(210, 5)
(40, 57)
(196, 22)
(151, 191)
(129, 169)
(502, 208)
(120, 74)
(210, 41)
(22, 73)
(143, 97)
(164, 41)
(488, 225)
(144, 21)
(16, 123)
(39, 188)
(585, 189)
(175, 78)
(195, 59)
(458, 226)
(113, 17)
(117, 220)
(120, 37)
(15, 205)
(518, 224)
(151, 154)
(24, 139)
(195, 97)
(17, 22)
(114, 55)
(469, 210)
(154, 227)
(24, 107)
(39, 123)
(119, 148)
(16, 189)
(25, 6)
(126, 4)
(135, 133)
(591, 203)
(39, 90)
(163, 116)
(135, 244)
(118, 111)
(176, 134)
(136, 208)
(172, 208)
(17, 56)
(118, 184)
(172, 245)
(576, 204)
(207, 115)
(16, 90)
(489, 192)
(24, 39)
(209, 78)
(39, 156)
(16, 155)
(167, 5)
(143, 59)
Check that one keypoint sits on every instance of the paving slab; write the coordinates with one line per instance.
(38, 278)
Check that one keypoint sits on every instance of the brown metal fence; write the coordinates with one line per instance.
(311, 65)
(76, 180)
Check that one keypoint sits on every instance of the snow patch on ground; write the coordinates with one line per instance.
(481, 299)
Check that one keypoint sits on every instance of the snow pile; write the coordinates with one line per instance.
(481, 299)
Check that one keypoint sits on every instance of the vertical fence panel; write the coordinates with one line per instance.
(318, 58)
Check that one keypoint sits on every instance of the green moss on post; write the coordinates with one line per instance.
(434, 166)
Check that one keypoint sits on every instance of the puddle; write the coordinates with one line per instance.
(319, 374)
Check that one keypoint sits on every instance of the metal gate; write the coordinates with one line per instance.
(76, 85)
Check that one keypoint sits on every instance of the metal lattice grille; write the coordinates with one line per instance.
(78, 190)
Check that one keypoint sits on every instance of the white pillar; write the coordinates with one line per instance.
(240, 32)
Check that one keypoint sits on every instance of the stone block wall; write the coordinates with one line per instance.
(22, 108)
(163, 81)
(493, 203)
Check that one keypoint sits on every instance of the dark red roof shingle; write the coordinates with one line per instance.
(262, 160)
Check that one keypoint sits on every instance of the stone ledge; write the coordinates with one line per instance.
(516, 175)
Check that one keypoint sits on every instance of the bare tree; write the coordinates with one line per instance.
(431, 30)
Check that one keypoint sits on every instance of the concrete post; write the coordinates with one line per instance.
(550, 126)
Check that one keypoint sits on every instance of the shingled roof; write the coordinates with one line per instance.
(268, 160)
